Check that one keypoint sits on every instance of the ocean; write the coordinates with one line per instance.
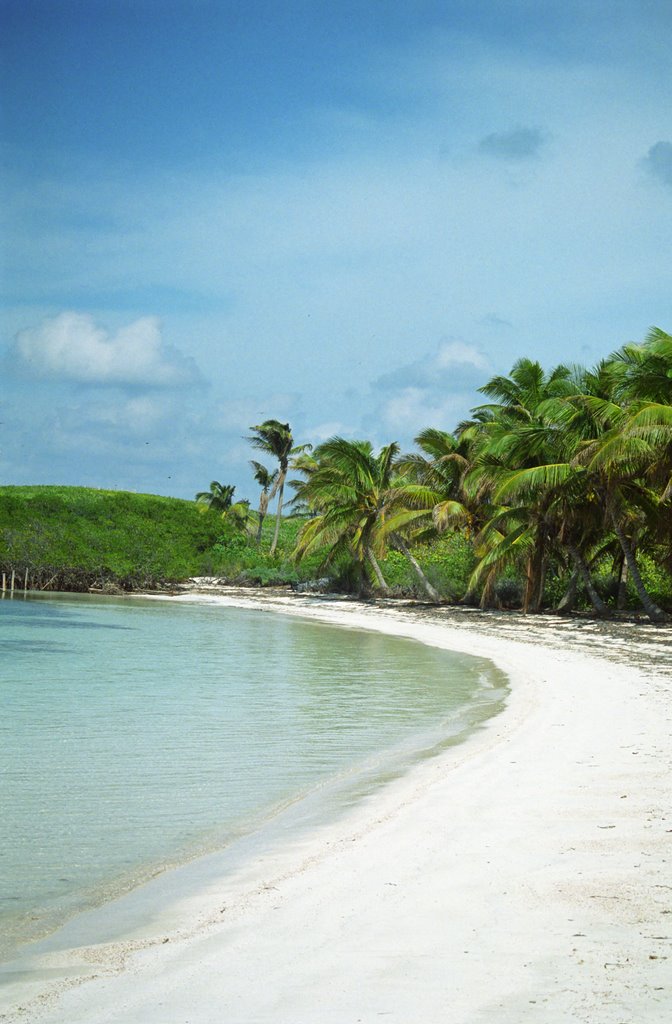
(137, 735)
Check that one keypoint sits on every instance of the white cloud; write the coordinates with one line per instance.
(437, 390)
(411, 409)
(453, 366)
(72, 347)
(456, 353)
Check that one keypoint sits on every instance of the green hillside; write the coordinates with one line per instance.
(74, 537)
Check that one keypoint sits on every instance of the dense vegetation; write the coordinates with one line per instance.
(562, 483)
(70, 538)
(76, 538)
(555, 493)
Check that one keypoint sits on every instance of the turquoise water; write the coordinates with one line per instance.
(138, 734)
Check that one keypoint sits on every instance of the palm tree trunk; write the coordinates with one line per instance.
(278, 514)
(655, 613)
(534, 586)
(263, 509)
(541, 583)
(488, 595)
(380, 579)
(622, 586)
(568, 599)
(429, 590)
(581, 567)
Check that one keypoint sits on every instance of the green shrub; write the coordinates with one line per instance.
(509, 592)
(397, 572)
(655, 578)
(448, 563)
(104, 533)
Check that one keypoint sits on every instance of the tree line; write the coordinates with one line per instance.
(556, 472)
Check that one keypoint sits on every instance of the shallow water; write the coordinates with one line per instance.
(138, 735)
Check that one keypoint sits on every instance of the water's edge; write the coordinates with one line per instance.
(155, 906)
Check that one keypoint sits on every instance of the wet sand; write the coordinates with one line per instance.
(525, 875)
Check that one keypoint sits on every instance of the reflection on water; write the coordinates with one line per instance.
(161, 731)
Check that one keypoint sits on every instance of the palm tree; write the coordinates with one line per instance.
(361, 507)
(602, 450)
(344, 488)
(218, 498)
(237, 518)
(275, 438)
(645, 382)
(306, 463)
(644, 371)
(440, 466)
(265, 478)
(516, 453)
(616, 459)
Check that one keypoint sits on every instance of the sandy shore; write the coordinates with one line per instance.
(525, 875)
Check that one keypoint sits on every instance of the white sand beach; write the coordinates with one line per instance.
(524, 875)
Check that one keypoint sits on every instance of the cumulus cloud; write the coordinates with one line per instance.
(407, 411)
(72, 347)
(453, 365)
(516, 144)
(658, 162)
(436, 390)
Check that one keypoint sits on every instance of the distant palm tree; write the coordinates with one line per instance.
(219, 498)
(275, 438)
(265, 478)
(237, 518)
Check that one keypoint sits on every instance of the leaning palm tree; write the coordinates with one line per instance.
(219, 498)
(345, 490)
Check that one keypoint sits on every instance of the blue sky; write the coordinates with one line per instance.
(344, 215)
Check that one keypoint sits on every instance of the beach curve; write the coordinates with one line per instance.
(522, 875)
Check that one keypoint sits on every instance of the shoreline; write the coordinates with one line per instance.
(511, 877)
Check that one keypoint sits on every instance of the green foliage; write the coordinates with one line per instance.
(239, 559)
(138, 537)
(448, 562)
(397, 572)
(508, 592)
(656, 579)
(562, 471)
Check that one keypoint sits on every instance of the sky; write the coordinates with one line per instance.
(342, 215)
